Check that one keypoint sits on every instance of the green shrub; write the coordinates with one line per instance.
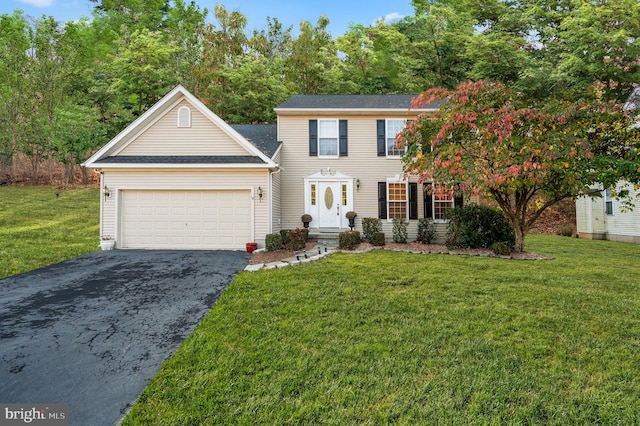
(399, 231)
(477, 226)
(284, 235)
(378, 239)
(501, 248)
(273, 242)
(370, 225)
(566, 230)
(426, 231)
(349, 239)
(296, 239)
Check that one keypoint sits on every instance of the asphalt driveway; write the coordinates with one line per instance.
(93, 331)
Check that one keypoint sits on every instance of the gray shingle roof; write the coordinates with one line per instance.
(181, 159)
(263, 136)
(350, 102)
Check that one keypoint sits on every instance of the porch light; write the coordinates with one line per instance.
(357, 184)
(260, 193)
(106, 191)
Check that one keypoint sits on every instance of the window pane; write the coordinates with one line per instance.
(397, 200)
(393, 128)
(344, 194)
(313, 194)
(442, 201)
(328, 137)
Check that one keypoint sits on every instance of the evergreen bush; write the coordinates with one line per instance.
(474, 226)
(370, 225)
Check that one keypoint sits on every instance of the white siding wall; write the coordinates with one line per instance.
(184, 179)
(593, 222)
(362, 163)
(624, 225)
(164, 137)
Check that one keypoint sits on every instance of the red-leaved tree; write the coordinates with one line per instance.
(525, 155)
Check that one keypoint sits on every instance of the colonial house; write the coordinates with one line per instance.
(180, 177)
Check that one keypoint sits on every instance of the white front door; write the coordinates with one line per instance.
(329, 200)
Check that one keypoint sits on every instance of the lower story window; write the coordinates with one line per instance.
(397, 200)
(608, 202)
(438, 200)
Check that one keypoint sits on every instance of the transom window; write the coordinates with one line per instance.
(328, 138)
(397, 200)
(393, 128)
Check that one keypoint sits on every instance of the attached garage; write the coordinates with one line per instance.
(180, 177)
(186, 219)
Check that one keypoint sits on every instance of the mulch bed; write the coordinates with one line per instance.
(277, 255)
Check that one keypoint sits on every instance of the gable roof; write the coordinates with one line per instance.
(108, 154)
(351, 102)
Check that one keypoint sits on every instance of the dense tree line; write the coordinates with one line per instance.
(67, 88)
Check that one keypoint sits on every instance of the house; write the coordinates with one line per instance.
(607, 218)
(179, 177)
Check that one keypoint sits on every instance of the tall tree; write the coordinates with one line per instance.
(496, 142)
(14, 64)
(313, 55)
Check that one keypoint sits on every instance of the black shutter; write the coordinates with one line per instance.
(428, 200)
(382, 142)
(458, 199)
(313, 138)
(382, 200)
(342, 125)
(413, 200)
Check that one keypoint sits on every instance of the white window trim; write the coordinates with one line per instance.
(386, 136)
(396, 180)
(452, 203)
(337, 154)
(180, 113)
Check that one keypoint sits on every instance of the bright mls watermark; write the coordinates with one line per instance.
(34, 414)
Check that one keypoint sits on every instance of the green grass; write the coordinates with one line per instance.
(37, 228)
(401, 338)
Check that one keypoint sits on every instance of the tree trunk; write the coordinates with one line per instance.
(519, 228)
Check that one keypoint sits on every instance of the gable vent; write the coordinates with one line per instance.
(184, 117)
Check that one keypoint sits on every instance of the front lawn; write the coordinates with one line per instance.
(401, 338)
(38, 228)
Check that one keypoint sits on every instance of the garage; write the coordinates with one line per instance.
(209, 219)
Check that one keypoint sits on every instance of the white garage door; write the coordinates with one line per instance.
(186, 219)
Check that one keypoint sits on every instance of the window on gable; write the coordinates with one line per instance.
(393, 127)
(184, 117)
(328, 138)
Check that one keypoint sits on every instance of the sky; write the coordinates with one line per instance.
(288, 12)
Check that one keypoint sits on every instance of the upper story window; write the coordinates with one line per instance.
(328, 138)
(393, 128)
(184, 116)
(387, 130)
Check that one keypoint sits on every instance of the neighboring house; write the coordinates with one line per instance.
(605, 217)
(179, 177)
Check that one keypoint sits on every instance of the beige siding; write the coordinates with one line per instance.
(175, 179)
(164, 137)
(276, 199)
(362, 163)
